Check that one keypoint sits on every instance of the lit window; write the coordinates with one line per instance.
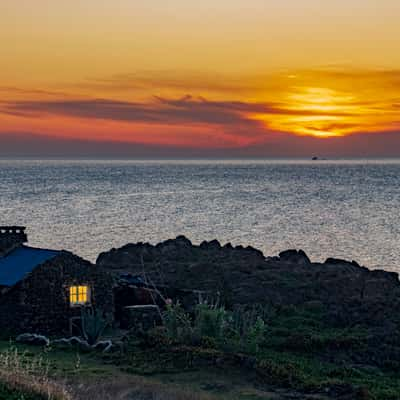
(79, 295)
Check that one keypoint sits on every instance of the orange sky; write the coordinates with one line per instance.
(252, 77)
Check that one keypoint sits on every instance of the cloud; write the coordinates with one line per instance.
(256, 83)
(348, 73)
(167, 111)
(185, 110)
(30, 144)
(23, 91)
(279, 109)
(26, 144)
(186, 81)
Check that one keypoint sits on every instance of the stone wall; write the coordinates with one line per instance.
(40, 303)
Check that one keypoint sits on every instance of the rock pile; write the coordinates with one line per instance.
(349, 293)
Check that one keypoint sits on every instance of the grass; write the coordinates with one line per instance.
(310, 374)
(299, 354)
(9, 393)
(26, 377)
(86, 375)
(32, 373)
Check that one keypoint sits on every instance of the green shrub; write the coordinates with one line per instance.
(246, 330)
(255, 336)
(214, 327)
(210, 321)
(177, 323)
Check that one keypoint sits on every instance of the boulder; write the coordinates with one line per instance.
(73, 341)
(294, 257)
(213, 245)
(104, 345)
(33, 339)
(339, 261)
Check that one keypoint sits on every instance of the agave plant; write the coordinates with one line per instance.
(93, 324)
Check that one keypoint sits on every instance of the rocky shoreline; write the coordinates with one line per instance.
(344, 294)
(243, 275)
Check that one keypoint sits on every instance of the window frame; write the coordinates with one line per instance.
(74, 297)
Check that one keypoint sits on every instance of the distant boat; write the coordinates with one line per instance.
(315, 158)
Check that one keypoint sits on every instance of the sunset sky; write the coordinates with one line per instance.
(182, 78)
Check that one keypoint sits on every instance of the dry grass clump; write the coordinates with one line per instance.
(134, 388)
(29, 373)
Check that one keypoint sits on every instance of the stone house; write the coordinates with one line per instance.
(43, 291)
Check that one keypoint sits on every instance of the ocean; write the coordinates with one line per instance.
(346, 208)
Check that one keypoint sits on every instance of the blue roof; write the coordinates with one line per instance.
(17, 264)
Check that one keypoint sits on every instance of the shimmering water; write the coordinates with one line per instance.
(348, 209)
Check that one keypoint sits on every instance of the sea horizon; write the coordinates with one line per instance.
(344, 208)
(311, 159)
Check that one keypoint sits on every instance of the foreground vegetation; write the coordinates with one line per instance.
(26, 377)
(245, 354)
(291, 348)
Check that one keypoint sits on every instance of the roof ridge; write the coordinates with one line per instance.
(38, 248)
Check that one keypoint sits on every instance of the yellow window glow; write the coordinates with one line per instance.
(78, 295)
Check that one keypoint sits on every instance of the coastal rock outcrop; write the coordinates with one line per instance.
(338, 294)
(243, 275)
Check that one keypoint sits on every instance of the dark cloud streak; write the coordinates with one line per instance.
(384, 144)
(186, 110)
